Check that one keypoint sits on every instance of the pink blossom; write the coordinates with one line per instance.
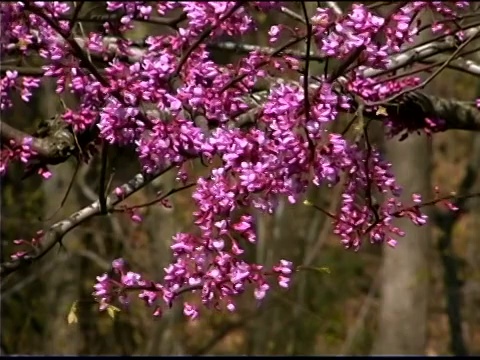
(172, 109)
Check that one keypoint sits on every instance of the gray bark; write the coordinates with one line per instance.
(402, 327)
(403, 306)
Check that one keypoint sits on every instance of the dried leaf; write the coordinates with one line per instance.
(381, 111)
(72, 314)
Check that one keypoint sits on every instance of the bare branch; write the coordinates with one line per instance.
(461, 64)
(21, 70)
(82, 183)
(247, 48)
(435, 73)
(419, 53)
(334, 6)
(7, 293)
(292, 14)
(156, 20)
(55, 234)
(76, 12)
(456, 114)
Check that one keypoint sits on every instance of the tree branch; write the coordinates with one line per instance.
(334, 6)
(247, 48)
(396, 61)
(56, 232)
(455, 114)
(410, 56)
(53, 149)
(102, 18)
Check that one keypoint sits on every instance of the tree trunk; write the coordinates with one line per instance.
(63, 282)
(402, 327)
(403, 307)
(472, 284)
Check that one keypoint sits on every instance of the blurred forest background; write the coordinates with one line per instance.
(421, 298)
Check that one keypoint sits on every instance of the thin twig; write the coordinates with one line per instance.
(263, 63)
(292, 14)
(431, 77)
(103, 171)
(156, 201)
(74, 18)
(334, 6)
(306, 78)
(203, 36)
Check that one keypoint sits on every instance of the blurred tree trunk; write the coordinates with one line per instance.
(63, 283)
(160, 226)
(472, 284)
(289, 234)
(21, 207)
(402, 327)
(403, 306)
(301, 335)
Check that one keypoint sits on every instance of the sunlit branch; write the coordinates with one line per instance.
(56, 232)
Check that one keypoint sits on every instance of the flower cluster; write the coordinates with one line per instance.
(218, 279)
(11, 83)
(23, 152)
(171, 102)
(355, 30)
(202, 15)
(28, 246)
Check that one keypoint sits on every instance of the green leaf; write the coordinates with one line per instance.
(111, 311)
(320, 269)
(307, 203)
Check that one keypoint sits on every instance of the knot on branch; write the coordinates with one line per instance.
(412, 111)
(55, 139)
(419, 111)
(52, 143)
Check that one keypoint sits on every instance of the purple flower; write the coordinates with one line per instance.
(261, 291)
(190, 311)
(173, 111)
(119, 265)
(150, 297)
